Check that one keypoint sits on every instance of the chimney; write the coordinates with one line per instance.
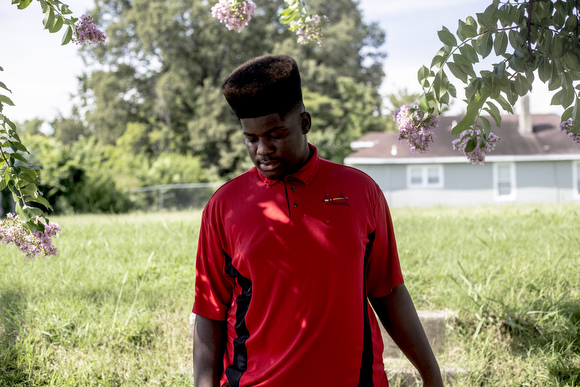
(525, 118)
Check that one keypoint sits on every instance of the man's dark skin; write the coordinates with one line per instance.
(278, 147)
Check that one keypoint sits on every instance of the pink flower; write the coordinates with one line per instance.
(30, 244)
(235, 15)
(308, 28)
(418, 130)
(87, 31)
(477, 155)
(565, 128)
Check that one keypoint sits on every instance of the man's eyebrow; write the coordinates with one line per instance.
(266, 132)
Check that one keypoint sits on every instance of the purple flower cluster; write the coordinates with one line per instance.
(308, 28)
(87, 31)
(419, 132)
(29, 243)
(235, 15)
(565, 128)
(477, 155)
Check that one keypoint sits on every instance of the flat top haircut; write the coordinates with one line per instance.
(264, 85)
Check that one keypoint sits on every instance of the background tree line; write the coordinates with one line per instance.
(151, 109)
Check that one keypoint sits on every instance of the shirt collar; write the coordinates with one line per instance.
(304, 174)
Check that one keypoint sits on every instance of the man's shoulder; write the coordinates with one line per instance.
(237, 187)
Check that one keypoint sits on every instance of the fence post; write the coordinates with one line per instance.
(160, 204)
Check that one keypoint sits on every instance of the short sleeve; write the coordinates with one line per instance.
(383, 269)
(213, 287)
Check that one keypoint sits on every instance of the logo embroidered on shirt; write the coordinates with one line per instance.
(341, 200)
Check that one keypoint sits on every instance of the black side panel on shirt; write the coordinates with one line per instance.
(366, 366)
(235, 371)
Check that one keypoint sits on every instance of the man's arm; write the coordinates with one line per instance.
(209, 343)
(399, 317)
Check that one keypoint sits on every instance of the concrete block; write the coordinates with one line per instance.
(434, 326)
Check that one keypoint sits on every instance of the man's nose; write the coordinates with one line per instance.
(264, 147)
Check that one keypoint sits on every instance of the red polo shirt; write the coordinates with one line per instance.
(289, 264)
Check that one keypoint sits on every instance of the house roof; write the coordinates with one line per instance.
(545, 142)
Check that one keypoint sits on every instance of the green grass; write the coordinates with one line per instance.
(112, 309)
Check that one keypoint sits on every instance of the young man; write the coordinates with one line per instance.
(291, 256)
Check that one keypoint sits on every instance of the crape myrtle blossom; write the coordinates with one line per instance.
(235, 14)
(308, 28)
(415, 127)
(477, 155)
(87, 31)
(565, 128)
(29, 243)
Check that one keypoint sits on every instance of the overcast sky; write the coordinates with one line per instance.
(42, 74)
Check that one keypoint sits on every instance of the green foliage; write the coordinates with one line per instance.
(529, 37)
(175, 55)
(339, 121)
(73, 177)
(16, 171)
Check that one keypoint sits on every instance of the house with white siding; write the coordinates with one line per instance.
(532, 163)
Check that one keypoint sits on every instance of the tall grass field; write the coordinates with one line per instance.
(112, 308)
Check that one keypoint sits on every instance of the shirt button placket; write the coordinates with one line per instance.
(295, 198)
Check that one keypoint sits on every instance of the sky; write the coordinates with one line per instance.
(42, 74)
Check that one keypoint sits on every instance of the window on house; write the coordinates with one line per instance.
(425, 176)
(504, 180)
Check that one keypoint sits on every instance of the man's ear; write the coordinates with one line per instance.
(306, 122)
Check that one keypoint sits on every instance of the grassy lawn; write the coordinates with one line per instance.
(112, 309)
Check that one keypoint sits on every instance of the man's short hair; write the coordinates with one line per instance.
(264, 85)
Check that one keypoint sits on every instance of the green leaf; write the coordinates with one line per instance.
(567, 97)
(457, 71)
(18, 156)
(557, 48)
(44, 6)
(465, 65)
(452, 90)
(447, 37)
(65, 10)
(440, 84)
(66, 38)
(485, 44)
(2, 85)
(485, 122)
(6, 100)
(440, 57)
(24, 217)
(57, 25)
(571, 59)
(473, 109)
(499, 69)
(469, 52)
(567, 113)
(30, 189)
(555, 80)
(288, 18)
(49, 19)
(494, 112)
(471, 144)
(522, 85)
(423, 74)
(557, 98)
(42, 201)
(500, 44)
(422, 102)
(24, 3)
(544, 69)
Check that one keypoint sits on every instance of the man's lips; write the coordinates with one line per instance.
(268, 165)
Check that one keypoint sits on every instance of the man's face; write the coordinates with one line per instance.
(277, 147)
